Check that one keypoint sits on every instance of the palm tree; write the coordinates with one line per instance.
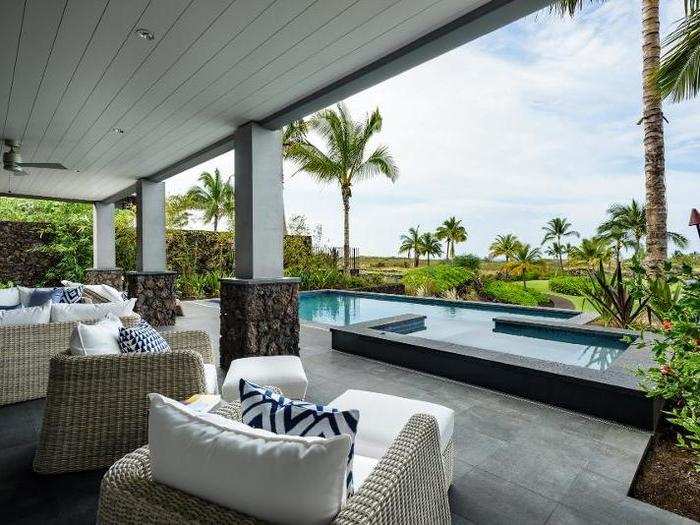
(591, 252)
(679, 73)
(177, 211)
(411, 242)
(430, 245)
(213, 196)
(653, 122)
(558, 251)
(451, 231)
(554, 230)
(345, 160)
(618, 237)
(525, 259)
(504, 245)
(292, 133)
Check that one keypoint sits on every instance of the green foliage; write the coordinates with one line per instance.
(614, 299)
(570, 284)
(512, 293)
(437, 279)
(198, 285)
(676, 376)
(469, 261)
(320, 277)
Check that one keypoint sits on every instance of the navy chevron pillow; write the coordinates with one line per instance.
(263, 408)
(142, 338)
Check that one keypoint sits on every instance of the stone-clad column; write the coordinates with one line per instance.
(152, 284)
(259, 310)
(104, 260)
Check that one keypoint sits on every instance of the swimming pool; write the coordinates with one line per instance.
(474, 325)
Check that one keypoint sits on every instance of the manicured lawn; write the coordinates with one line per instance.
(542, 285)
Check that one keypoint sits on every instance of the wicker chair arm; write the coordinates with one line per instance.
(408, 484)
(194, 340)
(97, 406)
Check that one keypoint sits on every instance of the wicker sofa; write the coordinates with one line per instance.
(25, 352)
(97, 407)
(406, 487)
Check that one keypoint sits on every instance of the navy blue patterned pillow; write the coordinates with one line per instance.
(263, 408)
(40, 296)
(69, 294)
(142, 338)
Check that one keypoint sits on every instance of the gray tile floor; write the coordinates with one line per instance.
(517, 461)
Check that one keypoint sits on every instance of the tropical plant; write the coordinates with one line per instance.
(469, 261)
(557, 251)
(525, 259)
(430, 245)
(411, 243)
(436, 279)
(617, 237)
(177, 211)
(591, 252)
(679, 73)
(345, 160)
(556, 229)
(612, 297)
(214, 197)
(511, 293)
(504, 245)
(452, 232)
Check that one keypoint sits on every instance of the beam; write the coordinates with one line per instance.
(485, 19)
(44, 198)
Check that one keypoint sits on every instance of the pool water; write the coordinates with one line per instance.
(470, 326)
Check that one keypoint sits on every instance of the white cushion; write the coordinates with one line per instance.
(211, 380)
(382, 417)
(61, 313)
(26, 316)
(282, 371)
(9, 296)
(103, 290)
(25, 293)
(101, 338)
(278, 478)
(362, 467)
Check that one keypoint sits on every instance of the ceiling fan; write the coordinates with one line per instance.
(12, 160)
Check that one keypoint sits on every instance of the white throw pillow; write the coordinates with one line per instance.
(61, 313)
(278, 478)
(101, 338)
(26, 316)
(106, 291)
(9, 296)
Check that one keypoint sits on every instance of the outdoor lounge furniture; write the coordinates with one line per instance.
(97, 406)
(25, 352)
(284, 372)
(406, 486)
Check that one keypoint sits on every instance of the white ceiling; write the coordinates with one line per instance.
(73, 70)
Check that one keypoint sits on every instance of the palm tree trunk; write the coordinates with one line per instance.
(416, 258)
(216, 222)
(654, 169)
(346, 232)
(561, 262)
(447, 249)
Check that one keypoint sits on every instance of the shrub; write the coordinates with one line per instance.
(469, 261)
(436, 279)
(316, 277)
(512, 293)
(570, 285)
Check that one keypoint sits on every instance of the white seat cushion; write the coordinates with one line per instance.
(362, 467)
(61, 313)
(382, 417)
(282, 371)
(9, 297)
(274, 477)
(211, 380)
(26, 316)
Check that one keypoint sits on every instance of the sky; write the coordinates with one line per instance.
(533, 121)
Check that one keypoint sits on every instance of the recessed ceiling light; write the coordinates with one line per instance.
(145, 34)
(118, 131)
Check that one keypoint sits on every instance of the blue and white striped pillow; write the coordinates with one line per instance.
(142, 338)
(263, 408)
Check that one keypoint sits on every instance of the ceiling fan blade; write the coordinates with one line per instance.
(45, 165)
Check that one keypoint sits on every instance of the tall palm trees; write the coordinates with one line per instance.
(430, 245)
(653, 125)
(591, 252)
(525, 259)
(555, 230)
(452, 232)
(412, 243)
(344, 159)
(504, 245)
(214, 197)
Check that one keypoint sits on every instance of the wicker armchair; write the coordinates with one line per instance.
(25, 352)
(97, 406)
(406, 487)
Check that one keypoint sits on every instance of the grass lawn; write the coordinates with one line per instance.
(542, 285)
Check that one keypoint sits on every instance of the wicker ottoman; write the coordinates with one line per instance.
(282, 371)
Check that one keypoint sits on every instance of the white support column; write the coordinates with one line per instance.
(150, 226)
(259, 208)
(103, 250)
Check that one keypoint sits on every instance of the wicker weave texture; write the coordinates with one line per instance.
(97, 407)
(406, 487)
(25, 352)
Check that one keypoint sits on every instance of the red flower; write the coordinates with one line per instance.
(667, 325)
(665, 370)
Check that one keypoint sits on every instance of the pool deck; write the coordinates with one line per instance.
(517, 461)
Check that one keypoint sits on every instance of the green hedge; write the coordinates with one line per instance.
(513, 293)
(437, 278)
(570, 285)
